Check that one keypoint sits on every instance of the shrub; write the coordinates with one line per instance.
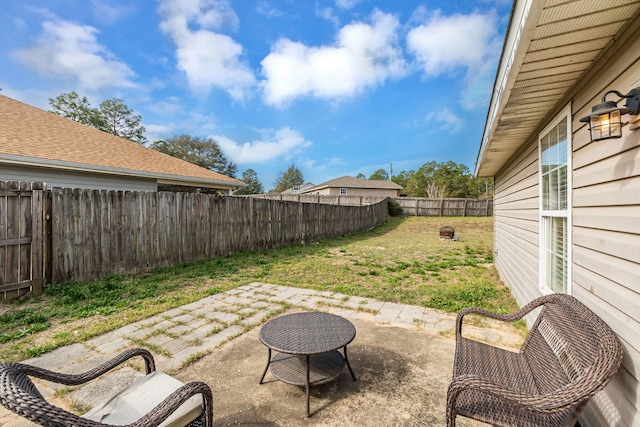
(394, 208)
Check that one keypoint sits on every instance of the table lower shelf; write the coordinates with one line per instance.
(292, 368)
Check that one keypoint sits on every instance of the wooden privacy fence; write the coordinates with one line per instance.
(22, 231)
(323, 199)
(96, 232)
(445, 207)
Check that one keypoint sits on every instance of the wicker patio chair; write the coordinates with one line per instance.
(568, 356)
(154, 400)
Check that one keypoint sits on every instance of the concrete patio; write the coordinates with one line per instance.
(402, 356)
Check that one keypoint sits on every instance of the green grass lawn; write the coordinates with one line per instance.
(402, 260)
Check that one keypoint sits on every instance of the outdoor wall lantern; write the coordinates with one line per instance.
(604, 120)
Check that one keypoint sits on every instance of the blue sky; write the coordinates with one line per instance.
(338, 87)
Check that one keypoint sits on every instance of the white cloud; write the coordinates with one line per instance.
(168, 106)
(335, 160)
(266, 9)
(212, 14)
(207, 57)
(110, 13)
(72, 51)
(172, 120)
(479, 82)
(364, 55)
(325, 163)
(447, 119)
(283, 143)
(327, 13)
(448, 42)
(346, 4)
(468, 44)
(155, 132)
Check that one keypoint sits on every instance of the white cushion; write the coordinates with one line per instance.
(141, 397)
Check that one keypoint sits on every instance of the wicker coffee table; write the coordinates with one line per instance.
(307, 346)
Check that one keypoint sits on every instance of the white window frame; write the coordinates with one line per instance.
(564, 213)
(343, 191)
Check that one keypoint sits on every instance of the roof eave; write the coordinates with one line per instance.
(522, 24)
(551, 51)
(82, 167)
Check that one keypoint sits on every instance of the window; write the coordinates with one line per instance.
(555, 205)
(343, 191)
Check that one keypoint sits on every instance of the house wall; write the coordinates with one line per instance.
(516, 224)
(366, 192)
(70, 179)
(605, 230)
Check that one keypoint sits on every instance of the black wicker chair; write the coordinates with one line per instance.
(173, 403)
(569, 355)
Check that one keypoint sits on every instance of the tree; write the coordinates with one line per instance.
(455, 177)
(380, 174)
(433, 179)
(113, 116)
(402, 178)
(119, 120)
(435, 191)
(205, 153)
(361, 176)
(416, 185)
(481, 188)
(293, 176)
(73, 107)
(254, 186)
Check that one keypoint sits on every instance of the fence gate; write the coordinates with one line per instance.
(21, 238)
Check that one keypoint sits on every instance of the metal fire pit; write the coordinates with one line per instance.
(447, 233)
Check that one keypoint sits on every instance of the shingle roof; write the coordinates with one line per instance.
(302, 188)
(351, 182)
(29, 135)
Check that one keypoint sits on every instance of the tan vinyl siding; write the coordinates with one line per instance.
(606, 233)
(605, 175)
(322, 192)
(617, 404)
(516, 226)
(365, 192)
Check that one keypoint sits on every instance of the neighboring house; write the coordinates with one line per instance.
(36, 145)
(299, 189)
(349, 186)
(567, 210)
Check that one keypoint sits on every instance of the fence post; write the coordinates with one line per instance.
(37, 240)
(486, 213)
(441, 207)
(464, 210)
(417, 203)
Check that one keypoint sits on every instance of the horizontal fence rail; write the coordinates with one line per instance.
(96, 232)
(323, 199)
(418, 206)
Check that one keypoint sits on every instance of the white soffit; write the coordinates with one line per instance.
(550, 46)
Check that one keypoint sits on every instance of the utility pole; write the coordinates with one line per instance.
(390, 171)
